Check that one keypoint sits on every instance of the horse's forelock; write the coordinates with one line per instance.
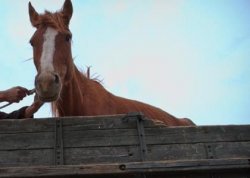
(55, 20)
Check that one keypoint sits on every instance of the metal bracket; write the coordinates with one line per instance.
(210, 152)
(58, 148)
(140, 129)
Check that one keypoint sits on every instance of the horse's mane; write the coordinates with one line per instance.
(78, 76)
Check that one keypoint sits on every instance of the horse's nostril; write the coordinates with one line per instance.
(56, 78)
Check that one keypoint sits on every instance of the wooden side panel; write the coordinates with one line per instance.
(100, 145)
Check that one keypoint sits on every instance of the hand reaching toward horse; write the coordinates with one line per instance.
(13, 95)
(32, 109)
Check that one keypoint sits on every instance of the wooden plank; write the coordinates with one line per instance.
(97, 122)
(156, 152)
(202, 134)
(38, 140)
(176, 152)
(26, 157)
(184, 165)
(97, 155)
(165, 167)
(100, 138)
(105, 154)
(103, 122)
(26, 125)
(116, 122)
(159, 136)
(116, 137)
(231, 150)
(39, 125)
(198, 151)
(69, 123)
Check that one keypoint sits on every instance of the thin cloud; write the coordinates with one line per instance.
(180, 56)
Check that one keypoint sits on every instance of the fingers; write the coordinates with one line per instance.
(32, 109)
(15, 94)
(37, 104)
(19, 93)
(23, 89)
(29, 112)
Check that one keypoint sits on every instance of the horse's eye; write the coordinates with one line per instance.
(31, 43)
(68, 38)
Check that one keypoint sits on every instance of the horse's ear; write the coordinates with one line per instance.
(34, 16)
(67, 11)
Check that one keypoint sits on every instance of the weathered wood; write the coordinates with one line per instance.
(26, 157)
(26, 126)
(112, 141)
(134, 169)
(32, 140)
(199, 151)
(97, 155)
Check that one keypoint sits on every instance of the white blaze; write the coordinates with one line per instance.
(48, 50)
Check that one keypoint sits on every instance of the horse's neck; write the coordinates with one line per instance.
(72, 96)
(83, 96)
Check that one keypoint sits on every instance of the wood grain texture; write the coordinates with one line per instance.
(203, 168)
(97, 146)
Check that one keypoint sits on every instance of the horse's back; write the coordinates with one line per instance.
(124, 105)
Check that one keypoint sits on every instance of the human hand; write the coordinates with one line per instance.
(32, 109)
(15, 94)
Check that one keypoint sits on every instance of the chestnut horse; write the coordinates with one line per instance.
(59, 81)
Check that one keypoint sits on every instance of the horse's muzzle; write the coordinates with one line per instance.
(48, 86)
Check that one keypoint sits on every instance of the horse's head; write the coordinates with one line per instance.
(51, 50)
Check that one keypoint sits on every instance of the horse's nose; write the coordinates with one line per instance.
(48, 86)
(49, 77)
(47, 82)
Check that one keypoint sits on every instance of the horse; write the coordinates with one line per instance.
(70, 91)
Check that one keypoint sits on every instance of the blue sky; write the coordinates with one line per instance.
(188, 57)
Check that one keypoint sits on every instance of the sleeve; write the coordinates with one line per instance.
(18, 114)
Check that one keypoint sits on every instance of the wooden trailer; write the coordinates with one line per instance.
(121, 146)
